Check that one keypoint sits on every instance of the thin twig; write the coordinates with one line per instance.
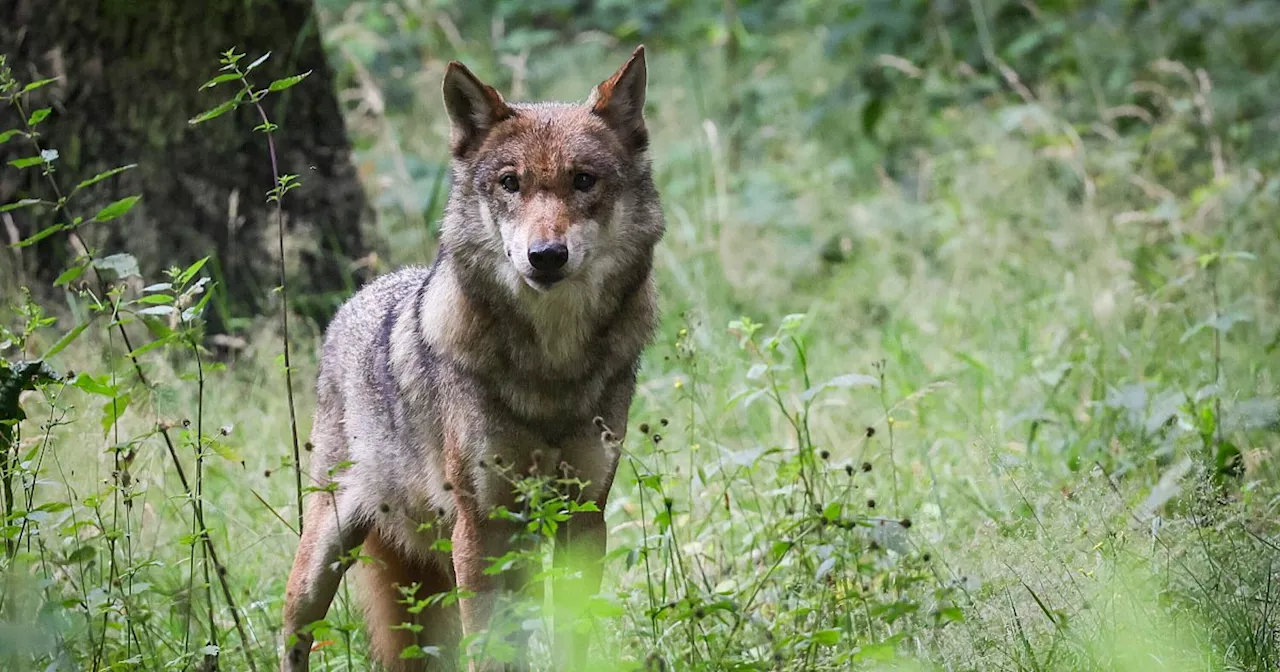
(278, 197)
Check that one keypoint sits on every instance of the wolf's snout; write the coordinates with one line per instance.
(547, 257)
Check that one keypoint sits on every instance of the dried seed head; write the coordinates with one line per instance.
(871, 503)
(825, 454)
(657, 438)
(848, 469)
(644, 428)
(664, 422)
(866, 466)
(871, 431)
(905, 523)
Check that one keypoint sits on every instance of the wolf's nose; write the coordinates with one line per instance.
(548, 256)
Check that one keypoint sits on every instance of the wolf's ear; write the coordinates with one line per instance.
(619, 100)
(473, 106)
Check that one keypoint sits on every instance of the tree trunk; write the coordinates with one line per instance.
(130, 73)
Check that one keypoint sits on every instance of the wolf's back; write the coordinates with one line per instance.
(352, 340)
(350, 394)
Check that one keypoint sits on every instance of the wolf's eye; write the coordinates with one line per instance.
(584, 181)
(510, 183)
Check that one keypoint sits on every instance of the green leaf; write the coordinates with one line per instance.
(69, 276)
(116, 209)
(726, 587)
(191, 271)
(6, 135)
(846, 381)
(156, 310)
(39, 116)
(225, 77)
(154, 299)
(65, 340)
(214, 113)
(282, 84)
(99, 386)
(792, 322)
(1227, 460)
(123, 265)
(81, 554)
(37, 84)
(881, 651)
(112, 410)
(832, 512)
(24, 203)
(827, 637)
(103, 175)
(53, 507)
(260, 60)
(197, 310)
(158, 343)
(652, 481)
(27, 162)
(950, 614)
(224, 451)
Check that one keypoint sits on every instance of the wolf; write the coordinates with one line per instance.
(515, 351)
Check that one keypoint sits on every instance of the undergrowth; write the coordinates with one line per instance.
(1001, 396)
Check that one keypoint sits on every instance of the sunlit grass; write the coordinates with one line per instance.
(911, 419)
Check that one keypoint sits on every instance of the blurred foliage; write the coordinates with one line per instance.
(1081, 52)
(1027, 246)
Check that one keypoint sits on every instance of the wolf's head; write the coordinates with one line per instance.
(552, 191)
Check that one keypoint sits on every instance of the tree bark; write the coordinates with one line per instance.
(130, 73)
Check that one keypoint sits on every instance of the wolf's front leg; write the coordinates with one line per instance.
(332, 526)
(470, 544)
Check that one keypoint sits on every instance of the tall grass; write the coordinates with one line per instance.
(997, 392)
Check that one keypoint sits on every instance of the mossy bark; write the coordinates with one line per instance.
(130, 73)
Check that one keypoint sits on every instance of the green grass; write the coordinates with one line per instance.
(993, 390)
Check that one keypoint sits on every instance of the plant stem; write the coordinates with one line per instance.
(269, 128)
